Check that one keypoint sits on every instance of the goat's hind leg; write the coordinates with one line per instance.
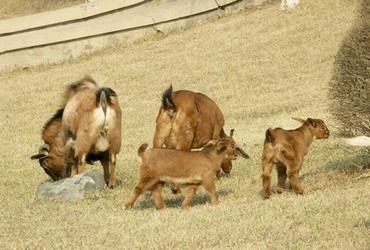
(282, 176)
(109, 166)
(142, 185)
(293, 174)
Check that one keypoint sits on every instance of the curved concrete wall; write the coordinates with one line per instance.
(56, 35)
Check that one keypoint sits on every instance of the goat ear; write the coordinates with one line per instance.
(311, 122)
(221, 146)
(240, 152)
(209, 144)
(299, 119)
(38, 156)
(43, 152)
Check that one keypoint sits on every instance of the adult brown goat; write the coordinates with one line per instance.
(285, 149)
(195, 168)
(187, 120)
(87, 128)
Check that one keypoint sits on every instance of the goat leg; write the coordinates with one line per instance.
(157, 194)
(209, 185)
(266, 180)
(112, 170)
(294, 180)
(142, 185)
(282, 176)
(191, 189)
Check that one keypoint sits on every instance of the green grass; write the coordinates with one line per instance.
(261, 67)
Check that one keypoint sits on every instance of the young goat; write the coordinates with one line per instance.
(285, 149)
(195, 168)
(187, 120)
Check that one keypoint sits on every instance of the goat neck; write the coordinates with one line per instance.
(307, 134)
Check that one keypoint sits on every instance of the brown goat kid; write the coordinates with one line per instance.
(187, 120)
(285, 149)
(99, 108)
(195, 168)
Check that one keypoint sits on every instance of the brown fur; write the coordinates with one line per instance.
(285, 149)
(188, 120)
(57, 154)
(52, 156)
(94, 127)
(193, 168)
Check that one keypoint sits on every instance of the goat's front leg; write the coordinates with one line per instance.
(191, 189)
(266, 178)
(282, 176)
(209, 185)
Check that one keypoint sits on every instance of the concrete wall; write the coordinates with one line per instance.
(53, 36)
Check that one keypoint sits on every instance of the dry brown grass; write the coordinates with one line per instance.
(16, 8)
(261, 67)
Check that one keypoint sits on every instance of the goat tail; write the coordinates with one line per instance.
(142, 148)
(104, 98)
(167, 101)
(103, 102)
(269, 136)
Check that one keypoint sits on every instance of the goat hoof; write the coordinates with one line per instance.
(111, 185)
(127, 206)
(300, 192)
(279, 190)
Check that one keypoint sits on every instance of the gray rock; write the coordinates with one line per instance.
(72, 188)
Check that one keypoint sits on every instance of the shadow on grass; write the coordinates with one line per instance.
(351, 165)
(175, 201)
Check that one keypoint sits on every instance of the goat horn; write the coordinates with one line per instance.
(232, 132)
(299, 119)
(43, 148)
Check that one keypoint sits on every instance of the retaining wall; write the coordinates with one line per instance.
(53, 36)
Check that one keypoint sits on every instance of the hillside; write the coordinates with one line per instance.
(262, 67)
(16, 8)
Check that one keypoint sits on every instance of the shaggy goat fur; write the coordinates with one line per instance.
(57, 154)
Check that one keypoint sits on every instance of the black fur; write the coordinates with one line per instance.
(268, 136)
(108, 93)
(167, 102)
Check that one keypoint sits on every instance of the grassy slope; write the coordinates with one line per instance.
(262, 67)
(15, 8)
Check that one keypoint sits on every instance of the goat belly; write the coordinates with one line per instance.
(188, 180)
